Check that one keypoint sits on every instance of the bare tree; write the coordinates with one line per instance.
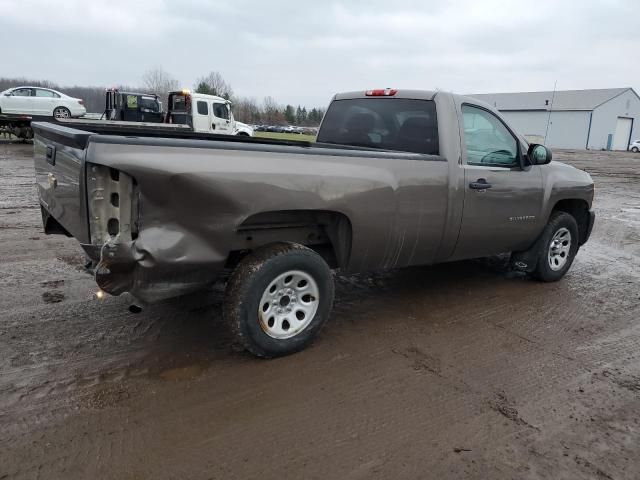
(272, 112)
(214, 84)
(246, 110)
(157, 81)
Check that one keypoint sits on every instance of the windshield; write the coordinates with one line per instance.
(386, 123)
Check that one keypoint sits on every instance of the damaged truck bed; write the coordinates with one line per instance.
(397, 178)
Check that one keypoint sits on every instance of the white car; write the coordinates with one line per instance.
(635, 146)
(40, 101)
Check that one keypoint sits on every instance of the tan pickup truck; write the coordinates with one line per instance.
(396, 178)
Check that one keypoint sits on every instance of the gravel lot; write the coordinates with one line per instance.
(457, 371)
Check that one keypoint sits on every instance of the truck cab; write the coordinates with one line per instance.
(204, 113)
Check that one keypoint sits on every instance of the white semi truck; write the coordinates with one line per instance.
(204, 113)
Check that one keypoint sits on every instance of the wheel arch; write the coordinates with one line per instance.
(327, 232)
(579, 210)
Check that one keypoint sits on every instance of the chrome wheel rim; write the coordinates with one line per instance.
(60, 113)
(559, 249)
(288, 304)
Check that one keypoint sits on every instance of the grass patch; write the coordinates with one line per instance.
(300, 137)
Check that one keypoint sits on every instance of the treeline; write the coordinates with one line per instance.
(158, 81)
(248, 110)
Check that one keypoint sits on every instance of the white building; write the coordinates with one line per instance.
(598, 119)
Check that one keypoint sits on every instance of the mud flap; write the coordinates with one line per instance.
(526, 260)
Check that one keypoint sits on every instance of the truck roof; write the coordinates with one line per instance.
(399, 93)
(413, 95)
(203, 96)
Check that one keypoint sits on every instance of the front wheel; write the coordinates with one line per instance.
(61, 112)
(278, 298)
(558, 247)
(635, 149)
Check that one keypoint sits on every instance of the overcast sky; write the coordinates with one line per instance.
(304, 51)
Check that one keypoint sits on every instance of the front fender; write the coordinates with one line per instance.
(564, 182)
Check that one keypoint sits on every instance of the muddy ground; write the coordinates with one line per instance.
(456, 371)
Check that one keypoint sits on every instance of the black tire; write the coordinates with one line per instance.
(249, 282)
(558, 221)
(635, 150)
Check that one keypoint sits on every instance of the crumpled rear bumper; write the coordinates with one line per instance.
(124, 267)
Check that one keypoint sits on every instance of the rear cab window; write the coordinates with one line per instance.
(179, 108)
(150, 103)
(178, 103)
(399, 124)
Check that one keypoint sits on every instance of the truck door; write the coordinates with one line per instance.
(502, 200)
(221, 121)
(201, 117)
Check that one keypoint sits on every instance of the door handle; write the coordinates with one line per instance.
(213, 126)
(480, 184)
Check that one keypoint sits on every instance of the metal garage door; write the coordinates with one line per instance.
(623, 134)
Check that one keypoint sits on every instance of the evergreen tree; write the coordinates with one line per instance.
(289, 115)
(313, 116)
(203, 87)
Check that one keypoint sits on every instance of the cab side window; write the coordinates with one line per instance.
(202, 108)
(45, 93)
(220, 110)
(22, 92)
(488, 141)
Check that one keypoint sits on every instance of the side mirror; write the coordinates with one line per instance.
(539, 154)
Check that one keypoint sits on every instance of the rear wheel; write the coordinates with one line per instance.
(558, 247)
(278, 298)
(61, 112)
(634, 149)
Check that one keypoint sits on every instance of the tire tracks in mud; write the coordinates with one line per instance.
(498, 401)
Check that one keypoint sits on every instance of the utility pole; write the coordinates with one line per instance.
(553, 96)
